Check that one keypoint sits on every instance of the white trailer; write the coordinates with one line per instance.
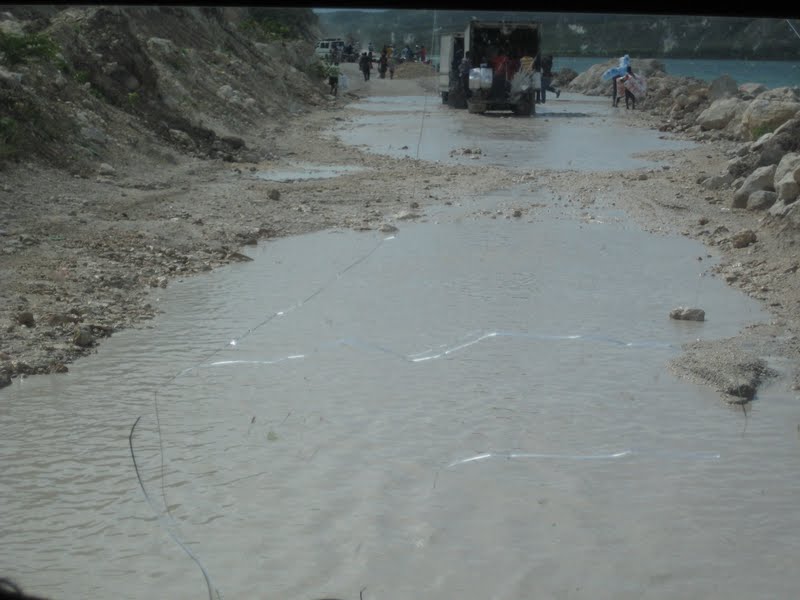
(451, 48)
(495, 91)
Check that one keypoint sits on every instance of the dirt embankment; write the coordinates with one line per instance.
(139, 162)
(109, 124)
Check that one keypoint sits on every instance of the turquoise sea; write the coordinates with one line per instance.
(771, 73)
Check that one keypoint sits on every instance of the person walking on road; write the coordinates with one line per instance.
(383, 64)
(365, 65)
(538, 87)
(614, 74)
(547, 77)
(634, 86)
(463, 73)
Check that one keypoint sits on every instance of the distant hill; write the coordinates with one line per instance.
(577, 34)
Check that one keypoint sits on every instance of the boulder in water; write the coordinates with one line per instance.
(687, 314)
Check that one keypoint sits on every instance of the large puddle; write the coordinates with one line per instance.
(472, 408)
(573, 132)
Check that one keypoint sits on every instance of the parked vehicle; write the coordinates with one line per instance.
(327, 47)
(491, 89)
(451, 50)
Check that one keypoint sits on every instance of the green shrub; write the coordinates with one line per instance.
(18, 48)
(267, 29)
(317, 69)
(133, 98)
(81, 76)
(757, 132)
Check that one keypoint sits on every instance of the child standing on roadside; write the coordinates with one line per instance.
(333, 78)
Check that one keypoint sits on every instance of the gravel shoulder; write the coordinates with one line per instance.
(80, 255)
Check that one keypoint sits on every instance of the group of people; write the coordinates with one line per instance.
(409, 55)
(506, 65)
(386, 64)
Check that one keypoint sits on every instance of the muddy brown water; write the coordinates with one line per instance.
(473, 407)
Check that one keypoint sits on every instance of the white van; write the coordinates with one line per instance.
(326, 46)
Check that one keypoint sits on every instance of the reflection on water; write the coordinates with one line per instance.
(575, 133)
(471, 409)
(304, 171)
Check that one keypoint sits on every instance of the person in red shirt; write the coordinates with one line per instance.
(499, 63)
(422, 53)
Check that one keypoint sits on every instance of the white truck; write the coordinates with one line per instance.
(491, 88)
(451, 50)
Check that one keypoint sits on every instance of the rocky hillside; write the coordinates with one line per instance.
(86, 85)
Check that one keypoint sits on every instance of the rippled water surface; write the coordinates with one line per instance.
(573, 132)
(319, 407)
(304, 171)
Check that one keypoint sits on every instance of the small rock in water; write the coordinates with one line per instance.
(82, 337)
(687, 314)
(517, 213)
(238, 256)
(387, 228)
(414, 205)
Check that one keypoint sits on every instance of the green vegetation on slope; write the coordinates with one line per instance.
(16, 48)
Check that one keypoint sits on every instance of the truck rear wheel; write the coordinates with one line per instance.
(456, 99)
(522, 108)
(476, 108)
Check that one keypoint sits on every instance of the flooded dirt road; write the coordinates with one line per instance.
(573, 132)
(476, 406)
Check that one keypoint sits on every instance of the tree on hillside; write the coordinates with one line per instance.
(285, 22)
